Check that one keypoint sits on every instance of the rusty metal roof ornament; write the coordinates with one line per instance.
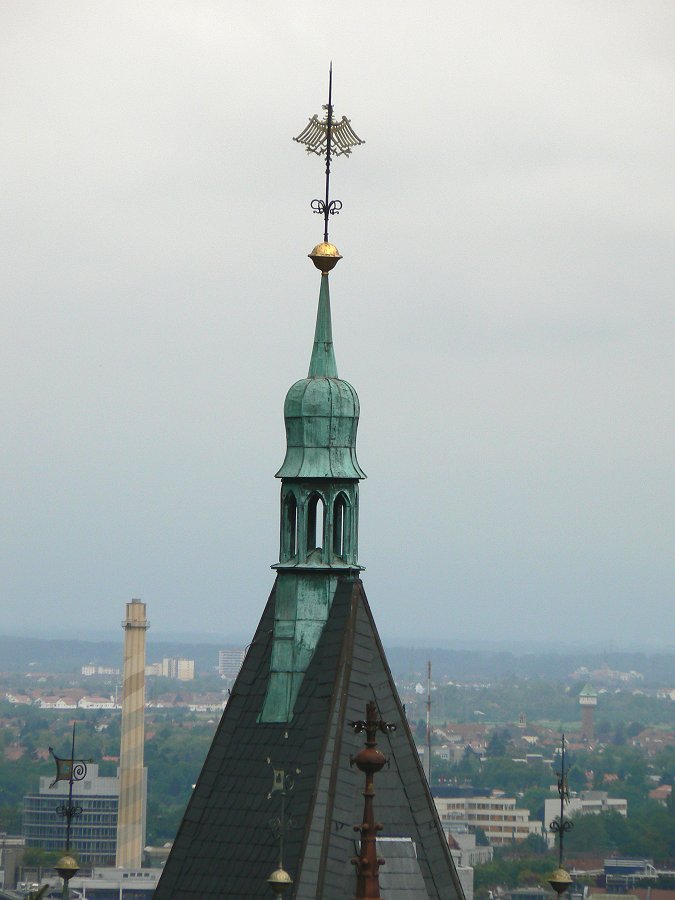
(332, 139)
(369, 760)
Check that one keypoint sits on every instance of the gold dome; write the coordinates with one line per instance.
(325, 256)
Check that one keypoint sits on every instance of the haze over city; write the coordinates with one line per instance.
(503, 308)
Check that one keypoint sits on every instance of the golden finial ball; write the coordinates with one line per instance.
(560, 880)
(279, 880)
(67, 867)
(325, 257)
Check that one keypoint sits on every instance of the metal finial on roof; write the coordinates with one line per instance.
(370, 761)
(332, 139)
(560, 880)
(282, 783)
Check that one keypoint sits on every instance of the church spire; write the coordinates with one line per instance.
(319, 508)
(322, 363)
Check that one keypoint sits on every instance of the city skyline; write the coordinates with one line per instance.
(504, 310)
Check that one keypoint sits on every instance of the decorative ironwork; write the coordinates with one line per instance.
(319, 207)
(69, 811)
(67, 769)
(332, 139)
(282, 783)
(561, 825)
(560, 880)
(71, 770)
(342, 137)
(369, 760)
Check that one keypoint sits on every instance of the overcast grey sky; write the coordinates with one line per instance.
(504, 308)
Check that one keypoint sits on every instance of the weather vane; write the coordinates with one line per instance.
(560, 880)
(70, 770)
(325, 136)
(282, 784)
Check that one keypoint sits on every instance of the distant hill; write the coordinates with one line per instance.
(22, 654)
(459, 664)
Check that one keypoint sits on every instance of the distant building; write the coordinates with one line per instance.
(19, 699)
(661, 794)
(464, 849)
(173, 667)
(588, 700)
(229, 662)
(11, 856)
(589, 802)
(93, 835)
(97, 703)
(498, 817)
(154, 669)
(92, 669)
(57, 703)
(531, 893)
(111, 884)
(179, 668)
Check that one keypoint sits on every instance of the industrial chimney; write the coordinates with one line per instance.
(133, 777)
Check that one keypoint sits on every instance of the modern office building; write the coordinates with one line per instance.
(587, 803)
(109, 884)
(93, 834)
(498, 817)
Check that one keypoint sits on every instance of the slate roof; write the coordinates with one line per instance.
(400, 877)
(225, 847)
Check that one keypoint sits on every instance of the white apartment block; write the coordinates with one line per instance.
(229, 662)
(589, 802)
(499, 817)
(173, 667)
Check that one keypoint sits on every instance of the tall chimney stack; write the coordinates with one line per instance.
(133, 782)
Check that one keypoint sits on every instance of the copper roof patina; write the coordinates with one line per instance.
(321, 412)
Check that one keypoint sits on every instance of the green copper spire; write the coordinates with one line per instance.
(322, 363)
(319, 510)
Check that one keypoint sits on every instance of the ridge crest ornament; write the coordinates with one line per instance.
(329, 138)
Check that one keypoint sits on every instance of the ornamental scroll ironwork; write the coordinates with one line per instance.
(329, 138)
(561, 825)
(283, 783)
(71, 770)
